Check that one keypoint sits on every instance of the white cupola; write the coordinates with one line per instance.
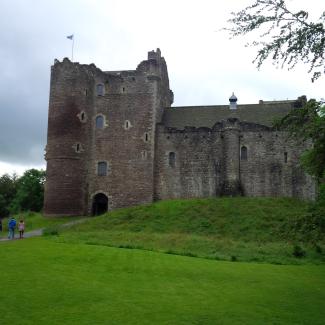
(233, 101)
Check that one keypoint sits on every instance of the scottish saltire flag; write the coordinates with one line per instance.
(70, 37)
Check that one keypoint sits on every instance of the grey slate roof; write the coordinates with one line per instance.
(207, 116)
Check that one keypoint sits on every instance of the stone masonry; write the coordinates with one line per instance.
(115, 141)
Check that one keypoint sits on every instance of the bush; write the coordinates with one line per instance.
(298, 251)
(318, 249)
(51, 231)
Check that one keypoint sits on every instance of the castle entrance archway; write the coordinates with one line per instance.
(100, 204)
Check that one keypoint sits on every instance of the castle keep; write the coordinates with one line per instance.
(115, 141)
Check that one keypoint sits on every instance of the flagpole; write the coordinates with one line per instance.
(72, 48)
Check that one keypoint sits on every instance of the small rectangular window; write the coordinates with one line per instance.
(99, 122)
(243, 153)
(100, 90)
(285, 157)
(102, 168)
(172, 159)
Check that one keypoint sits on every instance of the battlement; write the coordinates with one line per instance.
(154, 55)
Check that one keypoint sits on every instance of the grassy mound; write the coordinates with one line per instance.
(244, 229)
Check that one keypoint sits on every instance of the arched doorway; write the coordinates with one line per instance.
(100, 204)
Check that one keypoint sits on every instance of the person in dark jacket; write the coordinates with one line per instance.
(11, 227)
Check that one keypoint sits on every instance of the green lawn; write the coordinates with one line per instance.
(243, 229)
(45, 282)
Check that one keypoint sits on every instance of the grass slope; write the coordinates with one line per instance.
(245, 229)
(43, 282)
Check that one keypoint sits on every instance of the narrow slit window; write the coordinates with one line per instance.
(172, 159)
(82, 116)
(243, 153)
(99, 122)
(102, 168)
(285, 157)
(146, 137)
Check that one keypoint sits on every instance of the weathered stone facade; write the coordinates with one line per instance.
(114, 141)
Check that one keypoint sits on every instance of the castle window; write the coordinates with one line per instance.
(243, 153)
(99, 122)
(172, 159)
(82, 117)
(127, 125)
(102, 168)
(78, 147)
(146, 137)
(285, 157)
(86, 92)
(100, 90)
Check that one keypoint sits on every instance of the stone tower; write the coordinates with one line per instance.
(101, 135)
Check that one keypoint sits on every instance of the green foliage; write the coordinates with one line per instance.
(287, 37)
(8, 189)
(298, 251)
(308, 124)
(53, 283)
(30, 192)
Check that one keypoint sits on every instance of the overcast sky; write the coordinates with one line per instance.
(204, 65)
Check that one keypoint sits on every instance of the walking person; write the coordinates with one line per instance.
(21, 228)
(11, 227)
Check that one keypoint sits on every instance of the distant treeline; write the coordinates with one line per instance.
(21, 193)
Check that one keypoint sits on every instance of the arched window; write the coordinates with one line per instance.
(102, 168)
(100, 90)
(243, 153)
(99, 122)
(172, 159)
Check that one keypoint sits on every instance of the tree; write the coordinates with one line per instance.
(30, 191)
(308, 124)
(287, 37)
(8, 189)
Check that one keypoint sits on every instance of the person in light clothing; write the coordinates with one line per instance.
(21, 228)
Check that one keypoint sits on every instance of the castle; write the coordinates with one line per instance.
(115, 141)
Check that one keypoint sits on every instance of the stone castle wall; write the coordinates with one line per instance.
(145, 158)
(208, 163)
